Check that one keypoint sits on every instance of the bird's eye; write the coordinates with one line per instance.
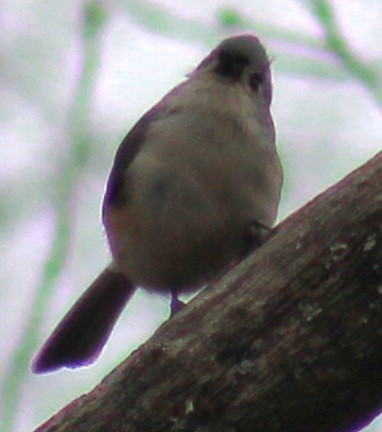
(255, 80)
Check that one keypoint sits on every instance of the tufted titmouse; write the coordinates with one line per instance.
(195, 185)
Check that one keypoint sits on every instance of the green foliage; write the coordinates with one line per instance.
(230, 18)
(67, 182)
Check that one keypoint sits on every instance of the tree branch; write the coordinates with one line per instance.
(290, 340)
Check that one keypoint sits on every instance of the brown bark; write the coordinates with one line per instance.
(290, 340)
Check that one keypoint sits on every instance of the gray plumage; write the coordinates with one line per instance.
(194, 187)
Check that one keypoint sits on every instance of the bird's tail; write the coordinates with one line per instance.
(80, 336)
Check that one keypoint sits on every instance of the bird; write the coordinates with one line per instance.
(194, 188)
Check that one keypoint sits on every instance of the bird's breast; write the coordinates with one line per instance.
(201, 178)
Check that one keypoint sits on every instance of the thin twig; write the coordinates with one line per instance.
(337, 43)
(67, 183)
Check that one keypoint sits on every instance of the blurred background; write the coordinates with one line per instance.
(76, 75)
